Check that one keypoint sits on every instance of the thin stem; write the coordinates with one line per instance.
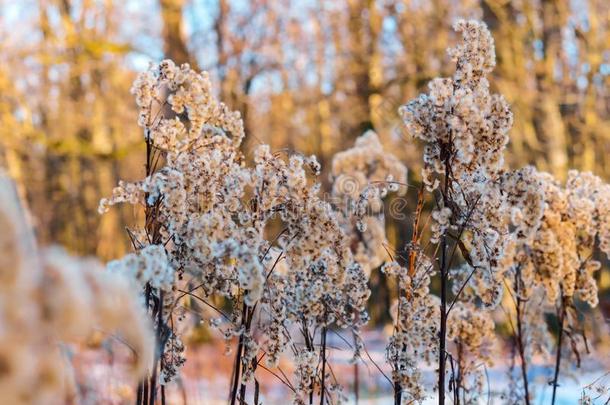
(443, 326)
(256, 391)
(458, 380)
(153, 385)
(562, 315)
(462, 287)
(322, 389)
(397, 393)
(242, 388)
(374, 362)
(143, 387)
(519, 337)
(256, 384)
(312, 386)
(160, 348)
(444, 281)
(242, 393)
(237, 364)
(452, 380)
(236, 370)
(309, 344)
(282, 380)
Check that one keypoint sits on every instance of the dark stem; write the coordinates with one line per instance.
(237, 364)
(558, 353)
(310, 347)
(242, 388)
(520, 344)
(143, 387)
(458, 382)
(159, 353)
(444, 280)
(443, 326)
(140, 393)
(322, 383)
(397, 393)
(236, 367)
(242, 393)
(153, 386)
(147, 387)
(145, 391)
(256, 384)
(256, 391)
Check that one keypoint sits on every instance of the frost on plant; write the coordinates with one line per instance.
(472, 332)
(415, 329)
(251, 246)
(515, 228)
(553, 266)
(465, 131)
(518, 228)
(259, 236)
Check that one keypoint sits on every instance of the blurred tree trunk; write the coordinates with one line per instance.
(47, 223)
(174, 43)
(593, 124)
(548, 119)
(363, 26)
(514, 47)
(81, 229)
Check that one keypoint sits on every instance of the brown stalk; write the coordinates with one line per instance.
(411, 273)
(444, 266)
(519, 335)
(323, 388)
(562, 315)
(237, 364)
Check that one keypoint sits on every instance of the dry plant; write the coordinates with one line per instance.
(552, 266)
(259, 237)
(516, 229)
(280, 267)
(252, 246)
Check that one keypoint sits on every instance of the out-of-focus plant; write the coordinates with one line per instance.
(362, 176)
(550, 266)
(49, 298)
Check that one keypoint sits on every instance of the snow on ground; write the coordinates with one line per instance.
(205, 379)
